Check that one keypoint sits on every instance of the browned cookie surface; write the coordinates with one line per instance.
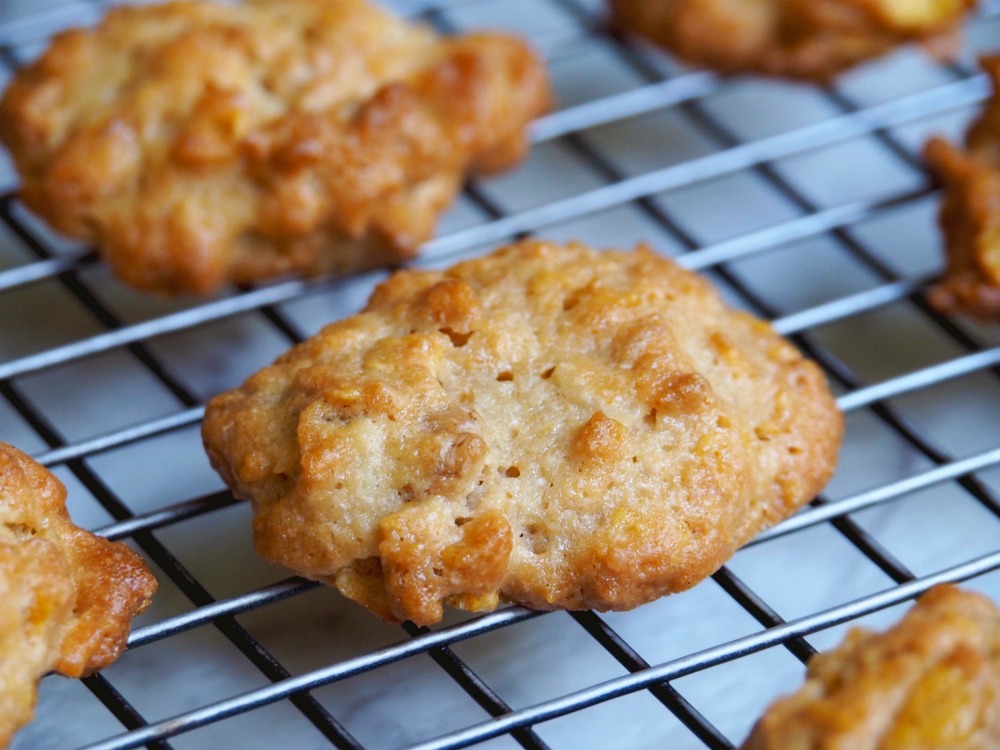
(811, 39)
(970, 212)
(67, 597)
(201, 143)
(550, 425)
(932, 682)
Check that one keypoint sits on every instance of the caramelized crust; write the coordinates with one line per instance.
(201, 143)
(549, 425)
(932, 682)
(67, 597)
(970, 212)
(808, 39)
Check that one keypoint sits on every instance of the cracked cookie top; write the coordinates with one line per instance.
(930, 682)
(204, 143)
(67, 597)
(806, 39)
(550, 425)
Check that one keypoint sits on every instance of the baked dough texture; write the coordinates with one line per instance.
(67, 597)
(970, 212)
(804, 39)
(550, 425)
(932, 682)
(201, 143)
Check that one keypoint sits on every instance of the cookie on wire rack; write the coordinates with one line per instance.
(930, 682)
(204, 143)
(970, 211)
(801, 39)
(549, 425)
(67, 596)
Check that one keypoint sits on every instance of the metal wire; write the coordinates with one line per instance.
(934, 462)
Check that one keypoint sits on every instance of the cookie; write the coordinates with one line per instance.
(67, 597)
(929, 683)
(203, 143)
(549, 425)
(802, 39)
(970, 212)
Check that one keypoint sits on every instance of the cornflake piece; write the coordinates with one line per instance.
(929, 683)
(201, 143)
(970, 212)
(807, 39)
(67, 597)
(549, 425)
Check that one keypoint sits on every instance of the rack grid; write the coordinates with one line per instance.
(808, 205)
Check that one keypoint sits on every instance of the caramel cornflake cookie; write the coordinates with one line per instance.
(970, 212)
(200, 143)
(67, 597)
(932, 682)
(549, 425)
(806, 39)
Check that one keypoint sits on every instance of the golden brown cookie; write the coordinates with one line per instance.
(970, 212)
(549, 425)
(932, 682)
(201, 143)
(808, 39)
(67, 597)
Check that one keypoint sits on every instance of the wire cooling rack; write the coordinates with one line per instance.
(808, 205)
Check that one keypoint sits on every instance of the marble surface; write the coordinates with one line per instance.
(543, 658)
